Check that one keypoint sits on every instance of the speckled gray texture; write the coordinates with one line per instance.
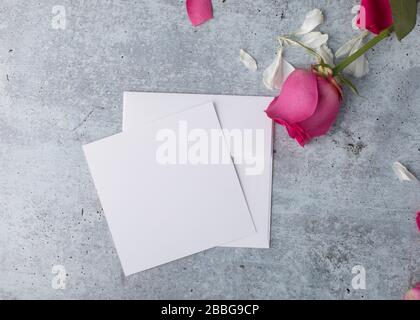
(336, 203)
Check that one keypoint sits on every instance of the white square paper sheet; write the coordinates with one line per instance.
(234, 112)
(159, 213)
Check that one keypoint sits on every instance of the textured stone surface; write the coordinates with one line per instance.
(336, 203)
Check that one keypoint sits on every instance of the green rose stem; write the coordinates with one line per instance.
(370, 44)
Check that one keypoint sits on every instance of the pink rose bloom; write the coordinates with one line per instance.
(375, 15)
(413, 294)
(307, 106)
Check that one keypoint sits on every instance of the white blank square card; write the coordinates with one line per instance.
(235, 113)
(159, 213)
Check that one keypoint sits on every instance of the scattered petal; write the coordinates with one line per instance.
(402, 173)
(248, 60)
(418, 220)
(275, 75)
(313, 19)
(345, 50)
(314, 39)
(297, 43)
(326, 54)
(317, 41)
(413, 294)
(349, 45)
(360, 67)
(199, 11)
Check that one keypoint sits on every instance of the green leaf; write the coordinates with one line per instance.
(405, 15)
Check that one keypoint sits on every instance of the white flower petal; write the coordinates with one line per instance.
(402, 172)
(314, 40)
(360, 67)
(349, 45)
(248, 60)
(346, 48)
(325, 52)
(313, 19)
(275, 75)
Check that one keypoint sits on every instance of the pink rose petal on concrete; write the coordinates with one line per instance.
(199, 11)
(418, 220)
(298, 98)
(413, 294)
(321, 121)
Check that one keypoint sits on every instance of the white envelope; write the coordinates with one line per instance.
(234, 112)
(158, 212)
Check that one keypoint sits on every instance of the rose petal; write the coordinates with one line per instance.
(248, 60)
(326, 113)
(325, 52)
(345, 50)
(418, 220)
(314, 40)
(402, 172)
(312, 20)
(295, 132)
(298, 98)
(360, 67)
(275, 75)
(413, 294)
(199, 11)
(375, 15)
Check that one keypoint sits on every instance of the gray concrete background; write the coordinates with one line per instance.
(336, 203)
